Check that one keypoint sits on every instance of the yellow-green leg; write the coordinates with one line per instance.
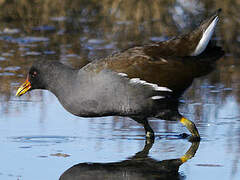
(148, 130)
(191, 127)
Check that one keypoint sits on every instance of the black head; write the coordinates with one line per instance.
(35, 79)
(38, 76)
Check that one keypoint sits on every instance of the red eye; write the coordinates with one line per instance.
(34, 74)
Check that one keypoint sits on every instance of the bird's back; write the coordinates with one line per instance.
(176, 73)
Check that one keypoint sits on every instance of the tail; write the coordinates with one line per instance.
(191, 44)
(206, 30)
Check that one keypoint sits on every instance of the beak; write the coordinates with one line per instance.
(23, 88)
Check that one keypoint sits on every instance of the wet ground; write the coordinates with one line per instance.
(40, 140)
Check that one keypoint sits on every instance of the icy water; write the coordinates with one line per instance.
(40, 140)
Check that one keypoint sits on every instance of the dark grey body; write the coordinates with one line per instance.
(104, 93)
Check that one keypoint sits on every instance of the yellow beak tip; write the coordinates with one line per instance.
(18, 95)
(23, 88)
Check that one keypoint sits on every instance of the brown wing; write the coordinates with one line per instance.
(176, 73)
(166, 64)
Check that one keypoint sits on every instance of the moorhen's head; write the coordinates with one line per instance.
(37, 77)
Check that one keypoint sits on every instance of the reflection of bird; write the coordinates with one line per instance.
(139, 167)
(139, 82)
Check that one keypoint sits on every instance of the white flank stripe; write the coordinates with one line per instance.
(154, 86)
(123, 74)
(205, 38)
(157, 97)
(163, 89)
(135, 80)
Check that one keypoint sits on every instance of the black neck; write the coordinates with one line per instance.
(60, 79)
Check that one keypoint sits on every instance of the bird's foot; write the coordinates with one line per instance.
(192, 128)
(190, 138)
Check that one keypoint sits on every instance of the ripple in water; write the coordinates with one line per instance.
(44, 140)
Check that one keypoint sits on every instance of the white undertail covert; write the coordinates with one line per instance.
(207, 34)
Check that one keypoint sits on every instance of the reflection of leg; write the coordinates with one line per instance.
(191, 152)
(148, 130)
(191, 127)
(144, 153)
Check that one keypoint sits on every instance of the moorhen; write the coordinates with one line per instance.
(140, 82)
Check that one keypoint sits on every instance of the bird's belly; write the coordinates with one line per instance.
(88, 108)
(99, 108)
